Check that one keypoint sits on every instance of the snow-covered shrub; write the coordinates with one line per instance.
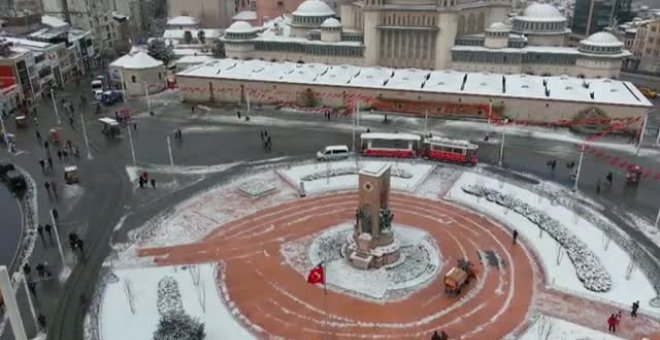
(179, 326)
(169, 296)
(588, 268)
(336, 172)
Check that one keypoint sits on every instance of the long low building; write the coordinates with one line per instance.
(519, 97)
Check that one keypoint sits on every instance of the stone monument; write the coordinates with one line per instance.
(372, 243)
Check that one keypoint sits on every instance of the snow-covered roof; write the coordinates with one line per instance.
(539, 49)
(136, 61)
(562, 88)
(407, 78)
(279, 29)
(449, 141)
(240, 27)
(498, 27)
(29, 44)
(331, 23)
(195, 59)
(182, 52)
(541, 12)
(390, 136)
(53, 21)
(245, 16)
(119, 16)
(209, 33)
(604, 39)
(313, 8)
(183, 21)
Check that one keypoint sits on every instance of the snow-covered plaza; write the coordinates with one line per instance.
(239, 254)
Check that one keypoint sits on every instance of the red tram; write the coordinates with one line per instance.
(405, 145)
(400, 145)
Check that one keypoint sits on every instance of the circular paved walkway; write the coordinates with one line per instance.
(277, 299)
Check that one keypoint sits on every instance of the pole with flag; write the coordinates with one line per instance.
(316, 276)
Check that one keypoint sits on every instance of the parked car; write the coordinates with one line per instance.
(14, 181)
(5, 166)
(111, 97)
(332, 152)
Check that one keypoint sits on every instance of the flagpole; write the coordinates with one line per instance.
(325, 296)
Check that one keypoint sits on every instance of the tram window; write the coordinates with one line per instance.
(389, 144)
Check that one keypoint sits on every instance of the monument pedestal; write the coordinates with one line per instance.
(372, 244)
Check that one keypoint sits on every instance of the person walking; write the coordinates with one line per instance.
(141, 182)
(153, 183)
(65, 155)
(42, 321)
(47, 185)
(80, 245)
(515, 236)
(635, 307)
(38, 136)
(53, 185)
(59, 155)
(238, 114)
(598, 187)
(609, 178)
(32, 286)
(435, 336)
(611, 322)
(49, 229)
(27, 270)
(55, 214)
(50, 164)
(40, 230)
(41, 271)
(46, 144)
(42, 164)
(134, 126)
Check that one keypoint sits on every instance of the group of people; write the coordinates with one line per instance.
(144, 180)
(439, 336)
(615, 319)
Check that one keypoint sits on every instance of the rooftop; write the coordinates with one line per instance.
(562, 88)
(53, 22)
(27, 43)
(136, 60)
(240, 27)
(541, 12)
(604, 39)
(314, 8)
(183, 21)
(209, 33)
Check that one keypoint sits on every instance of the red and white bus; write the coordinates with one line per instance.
(400, 145)
(450, 150)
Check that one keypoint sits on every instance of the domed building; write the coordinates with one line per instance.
(542, 25)
(392, 33)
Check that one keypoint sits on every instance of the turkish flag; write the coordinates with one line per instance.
(316, 275)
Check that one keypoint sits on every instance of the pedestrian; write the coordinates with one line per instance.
(192, 109)
(38, 136)
(265, 133)
(515, 236)
(435, 336)
(71, 120)
(141, 182)
(554, 164)
(53, 186)
(79, 245)
(32, 286)
(41, 271)
(46, 145)
(47, 185)
(134, 126)
(42, 163)
(49, 229)
(50, 164)
(443, 335)
(153, 183)
(55, 214)
(36, 121)
(40, 230)
(609, 178)
(59, 155)
(42, 321)
(611, 322)
(76, 153)
(27, 270)
(368, 130)
(68, 144)
(598, 187)
(238, 114)
(635, 307)
(65, 155)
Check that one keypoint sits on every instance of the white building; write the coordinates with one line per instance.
(51, 62)
(79, 44)
(138, 73)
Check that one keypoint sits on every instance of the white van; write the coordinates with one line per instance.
(331, 152)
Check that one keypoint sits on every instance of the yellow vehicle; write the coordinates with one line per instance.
(649, 93)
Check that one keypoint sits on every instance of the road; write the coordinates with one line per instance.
(105, 196)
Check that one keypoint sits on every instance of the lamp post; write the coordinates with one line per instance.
(11, 305)
(579, 169)
(502, 143)
(60, 250)
(57, 114)
(82, 123)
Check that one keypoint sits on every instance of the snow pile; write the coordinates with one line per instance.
(335, 172)
(588, 267)
(549, 328)
(130, 306)
(422, 261)
(343, 175)
(257, 188)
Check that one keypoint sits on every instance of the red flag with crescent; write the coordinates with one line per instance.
(316, 275)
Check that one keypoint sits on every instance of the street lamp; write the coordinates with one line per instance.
(506, 121)
(57, 239)
(57, 115)
(579, 168)
(11, 305)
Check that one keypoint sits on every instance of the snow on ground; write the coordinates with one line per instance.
(549, 328)
(422, 261)
(343, 175)
(116, 321)
(559, 270)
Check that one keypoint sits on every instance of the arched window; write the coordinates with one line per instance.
(133, 79)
